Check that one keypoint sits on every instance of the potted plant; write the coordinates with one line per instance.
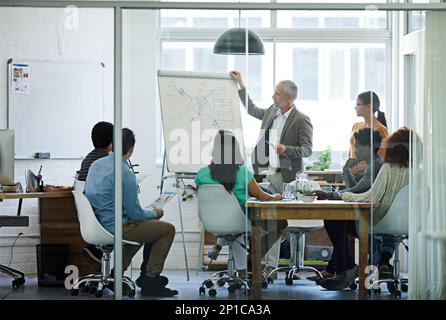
(306, 194)
(322, 163)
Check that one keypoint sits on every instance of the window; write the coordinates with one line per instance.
(306, 69)
(329, 77)
(416, 19)
(174, 59)
(254, 72)
(330, 71)
(354, 73)
(332, 19)
(214, 18)
(304, 22)
(375, 68)
(206, 61)
(336, 73)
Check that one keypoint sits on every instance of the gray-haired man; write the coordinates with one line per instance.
(286, 137)
(286, 134)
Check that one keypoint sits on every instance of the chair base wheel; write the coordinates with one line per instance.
(391, 287)
(353, 286)
(74, 292)
(232, 288)
(16, 283)
(212, 292)
(92, 289)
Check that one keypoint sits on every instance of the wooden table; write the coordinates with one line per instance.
(321, 209)
(58, 223)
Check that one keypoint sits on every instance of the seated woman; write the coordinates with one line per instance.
(367, 144)
(227, 169)
(392, 177)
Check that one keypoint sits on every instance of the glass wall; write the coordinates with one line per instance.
(326, 77)
(332, 57)
(329, 73)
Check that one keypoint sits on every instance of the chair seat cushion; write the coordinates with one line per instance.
(304, 225)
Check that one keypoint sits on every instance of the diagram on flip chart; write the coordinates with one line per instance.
(194, 106)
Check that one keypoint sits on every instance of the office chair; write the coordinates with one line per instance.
(79, 186)
(221, 215)
(93, 232)
(298, 228)
(14, 221)
(395, 224)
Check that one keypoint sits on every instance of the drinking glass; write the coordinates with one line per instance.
(288, 191)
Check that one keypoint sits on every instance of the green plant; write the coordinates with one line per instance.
(323, 161)
(308, 192)
(188, 190)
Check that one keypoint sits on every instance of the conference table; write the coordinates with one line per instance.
(319, 209)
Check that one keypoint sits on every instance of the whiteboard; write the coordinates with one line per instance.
(56, 108)
(194, 106)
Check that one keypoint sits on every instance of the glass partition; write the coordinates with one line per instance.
(311, 188)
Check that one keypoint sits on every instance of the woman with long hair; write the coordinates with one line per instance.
(367, 107)
(227, 169)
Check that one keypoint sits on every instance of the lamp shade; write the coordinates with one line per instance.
(233, 42)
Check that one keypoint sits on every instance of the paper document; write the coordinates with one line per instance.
(140, 177)
(270, 143)
(20, 78)
(161, 201)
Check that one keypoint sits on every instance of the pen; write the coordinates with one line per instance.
(272, 144)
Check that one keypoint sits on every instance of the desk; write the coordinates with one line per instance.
(58, 223)
(333, 176)
(323, 209)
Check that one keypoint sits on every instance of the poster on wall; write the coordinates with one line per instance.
(20, 78)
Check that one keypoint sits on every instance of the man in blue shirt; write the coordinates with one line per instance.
(139, 225)
(102, 138)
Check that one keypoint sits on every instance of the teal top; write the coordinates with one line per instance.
(242, 179)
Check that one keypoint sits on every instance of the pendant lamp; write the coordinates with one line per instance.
(233, 41)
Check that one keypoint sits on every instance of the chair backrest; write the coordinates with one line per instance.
(91, 230)
(220, 212)
(79, 185)
(396, 220)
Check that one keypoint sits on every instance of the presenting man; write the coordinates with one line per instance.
(286, 137)
(286, 134)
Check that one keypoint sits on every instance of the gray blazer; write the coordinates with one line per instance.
(297, 136)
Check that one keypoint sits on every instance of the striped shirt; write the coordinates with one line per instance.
(89, 159)
(390, 179)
